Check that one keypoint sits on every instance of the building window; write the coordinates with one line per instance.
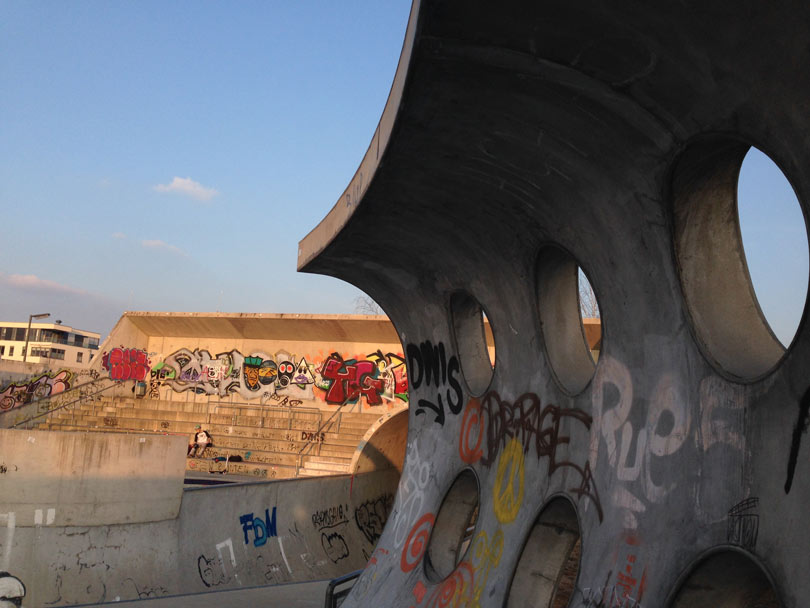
(38, 351)
(91, 357)
(19, 334)
(2, 350)
(79, 357)
(57, 353)
(10, 351)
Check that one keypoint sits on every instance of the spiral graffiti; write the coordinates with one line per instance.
(456, 591)
(416, 543)
(472, 428)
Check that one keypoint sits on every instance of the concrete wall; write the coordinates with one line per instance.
(88, 479)
(222, 537)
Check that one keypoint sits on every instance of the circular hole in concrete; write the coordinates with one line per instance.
(773, 236)
(475, 355)
(571, 339)
(546, 573)
(726, 579)
(729, 323)
(454, 527)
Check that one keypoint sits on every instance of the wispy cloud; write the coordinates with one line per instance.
(157, 244)
(32, 282)
(119, 235)
(188, 187)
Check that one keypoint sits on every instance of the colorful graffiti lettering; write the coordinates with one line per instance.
(283, 377)
(40, 387)
(126, 364)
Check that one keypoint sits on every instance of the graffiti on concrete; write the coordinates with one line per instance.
(743, 524)
(428, 364)
(416, 543)
(334, 545)
(126, 363)
(799, 429)
(147, 591)
(456, 590)
(371, 516)
(12, 590)
(40, 387)
(283, 378)
(494, 431)
(212, 571)
(262, 528)
(330, 517)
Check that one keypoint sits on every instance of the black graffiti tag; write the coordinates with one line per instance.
(428, 364)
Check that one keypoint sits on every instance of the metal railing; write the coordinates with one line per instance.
(335, 598)
(312, 441)
(67, 399)
(292, 413)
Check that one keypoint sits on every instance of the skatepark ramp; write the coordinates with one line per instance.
(523, 142)
(90, 518)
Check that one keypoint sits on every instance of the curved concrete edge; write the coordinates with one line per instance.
(319, 237)
(383, 445)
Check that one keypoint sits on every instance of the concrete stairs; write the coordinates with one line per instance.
(267, 442)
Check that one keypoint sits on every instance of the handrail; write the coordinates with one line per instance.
(79, 399)
(332, 596)
(308, 445)
(265, 408)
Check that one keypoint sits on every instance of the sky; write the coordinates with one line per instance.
(170, 156)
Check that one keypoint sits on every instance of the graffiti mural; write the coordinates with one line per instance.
(12, 590)
(40, 387)
(126, 363)
(283, 378)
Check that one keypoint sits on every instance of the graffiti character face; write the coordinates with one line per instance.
(285, 372)
(251, 370)
(268, 372)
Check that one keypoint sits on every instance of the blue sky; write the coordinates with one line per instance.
(170, 156)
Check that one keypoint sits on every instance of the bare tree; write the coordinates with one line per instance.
(588, 307)
(364, 305)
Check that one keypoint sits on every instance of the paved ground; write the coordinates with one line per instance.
(294, 595)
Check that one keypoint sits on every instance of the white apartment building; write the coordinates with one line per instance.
(48, 342)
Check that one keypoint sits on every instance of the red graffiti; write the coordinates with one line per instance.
(126, 364)
(456, 590)
(350, 380)
(416, 543)
(472, 430)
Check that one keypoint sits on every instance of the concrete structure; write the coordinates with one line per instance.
(103, 532)
(53, 344)
(522, 140)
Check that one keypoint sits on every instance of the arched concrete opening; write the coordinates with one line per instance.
(723, 306)
(454, 527)
(546, 572)
(558, 303)
(727, 578)
(383, 446)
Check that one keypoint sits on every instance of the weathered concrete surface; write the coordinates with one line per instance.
(523, 139)
(225, 537)
(90, 479)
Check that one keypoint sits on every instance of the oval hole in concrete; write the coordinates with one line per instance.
(726, 579)
(471, 342)
(454, 527)
(728, 321)
(561, 318)
(546, 573)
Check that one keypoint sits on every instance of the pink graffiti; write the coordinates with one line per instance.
(126, 364)
(46, 385)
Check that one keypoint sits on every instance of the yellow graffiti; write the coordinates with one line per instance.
(508, 498)
(486, 555)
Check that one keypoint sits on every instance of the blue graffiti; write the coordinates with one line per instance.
(262, 529)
